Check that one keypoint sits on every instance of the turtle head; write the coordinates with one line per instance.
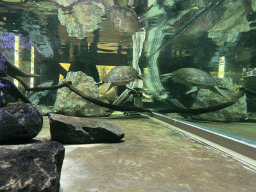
(165, 77)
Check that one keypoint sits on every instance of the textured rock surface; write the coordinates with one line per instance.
(69, 103)
(206, 98)
(230, 25)
(31, 167)
(20, 122)
(35, 96)
(46, 110)
(67, 3)
(84, 18)
(78, 130)
(123, 19)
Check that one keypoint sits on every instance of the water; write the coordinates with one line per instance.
(51, 38)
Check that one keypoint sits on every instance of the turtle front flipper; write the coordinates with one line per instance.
(109, 86)
(193, 89)
(131, 89)
(217, 90)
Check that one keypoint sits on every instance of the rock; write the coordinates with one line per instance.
(206, 98)
(35, 96)
(20, 122)
(124, 19)
(78, 130)
(69, 103)
(84, 18)
(230, 25)
(46, 110)
(31, 167)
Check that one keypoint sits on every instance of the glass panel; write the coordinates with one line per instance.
(189, 55)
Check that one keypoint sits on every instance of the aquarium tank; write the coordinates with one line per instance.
(193, 61)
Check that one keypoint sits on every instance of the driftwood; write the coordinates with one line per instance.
(15, 71)
(205, 110)
(69, 85)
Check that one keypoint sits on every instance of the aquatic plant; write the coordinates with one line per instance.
(7, 42)
(3, 67)
(4, 84)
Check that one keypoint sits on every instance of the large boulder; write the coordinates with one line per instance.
(69, 103)
(206, 98)
(79, 130)
(20, 122)
(31, 167)
(84, 18)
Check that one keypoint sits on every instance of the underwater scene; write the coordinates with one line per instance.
(191, 60)
(83, 79)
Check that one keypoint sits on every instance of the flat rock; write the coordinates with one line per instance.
(20, 122)
(79, 130)
(31, 167)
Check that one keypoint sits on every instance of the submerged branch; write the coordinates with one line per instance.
(15, 71)
(204, 110)
(103, 104)
(246, 90)
(42, 88)
(69, 85)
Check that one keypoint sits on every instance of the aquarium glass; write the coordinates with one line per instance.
(194, 60)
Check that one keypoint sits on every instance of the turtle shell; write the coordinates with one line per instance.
(121, 74)
(192, 76)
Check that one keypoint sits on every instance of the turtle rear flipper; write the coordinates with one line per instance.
(108, 87)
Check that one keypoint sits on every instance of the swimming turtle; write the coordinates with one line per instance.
(120, 75)
(195, 78)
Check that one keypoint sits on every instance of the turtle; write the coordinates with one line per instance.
(120, 75)
(196, 78)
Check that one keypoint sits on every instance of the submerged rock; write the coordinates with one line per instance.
(83, 19)
(69, 103)
(46, 110)
(78, 130)
(123, 19)
(206, 98)
(32, 167)
(20, 122)
(35, 96)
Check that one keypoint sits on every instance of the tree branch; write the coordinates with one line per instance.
(81, 94)
(68, 84)
(205, 110)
